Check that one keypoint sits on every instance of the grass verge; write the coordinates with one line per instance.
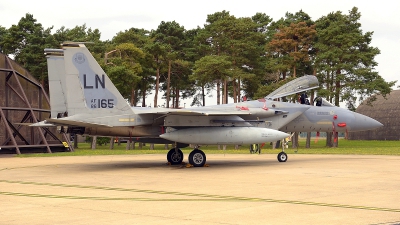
(317, 147)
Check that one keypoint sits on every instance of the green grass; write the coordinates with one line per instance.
(345, 147)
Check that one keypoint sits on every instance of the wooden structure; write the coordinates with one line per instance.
(23, 101)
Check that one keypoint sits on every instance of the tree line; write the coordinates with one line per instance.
(236, 57)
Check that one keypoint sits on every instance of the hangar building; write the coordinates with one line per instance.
(386, 111)
(24, 101)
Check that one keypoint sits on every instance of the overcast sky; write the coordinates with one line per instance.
(110, 17)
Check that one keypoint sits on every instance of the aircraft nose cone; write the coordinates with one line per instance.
(281, 135)
(362, 123)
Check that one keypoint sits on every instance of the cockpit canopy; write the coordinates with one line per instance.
(325, 103)
(301, 84)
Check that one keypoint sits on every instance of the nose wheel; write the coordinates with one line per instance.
(282, 157)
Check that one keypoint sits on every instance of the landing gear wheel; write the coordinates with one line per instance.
(197, 158)
(175, 157)
(282, 157)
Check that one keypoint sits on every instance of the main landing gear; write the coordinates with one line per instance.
(197, 157)
(175, 156)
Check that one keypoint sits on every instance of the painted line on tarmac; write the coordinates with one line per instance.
(100, 198)
(115, 189)
(205, 197)
(13, 168)
(197, 200)
(25, 167)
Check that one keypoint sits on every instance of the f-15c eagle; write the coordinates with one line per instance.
(84, 100)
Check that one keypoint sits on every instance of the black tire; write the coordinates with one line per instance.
(282, 157)
(197, 158)
(175, 157)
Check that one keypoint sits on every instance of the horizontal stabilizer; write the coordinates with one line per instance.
(41, 124)
(79, 123)
(66, 121)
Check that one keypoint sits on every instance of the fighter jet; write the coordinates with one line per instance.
(83, 100)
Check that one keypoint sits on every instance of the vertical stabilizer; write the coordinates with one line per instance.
(57, 86)
(88, 88)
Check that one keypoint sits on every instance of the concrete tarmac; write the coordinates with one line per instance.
(234, 189)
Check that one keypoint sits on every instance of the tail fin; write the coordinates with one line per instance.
(56, 71)
(79, 85)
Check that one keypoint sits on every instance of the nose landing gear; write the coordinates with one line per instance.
(282, 157)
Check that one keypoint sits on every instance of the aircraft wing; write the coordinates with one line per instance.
(207, 111)
(192, 111)
(210, 113)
